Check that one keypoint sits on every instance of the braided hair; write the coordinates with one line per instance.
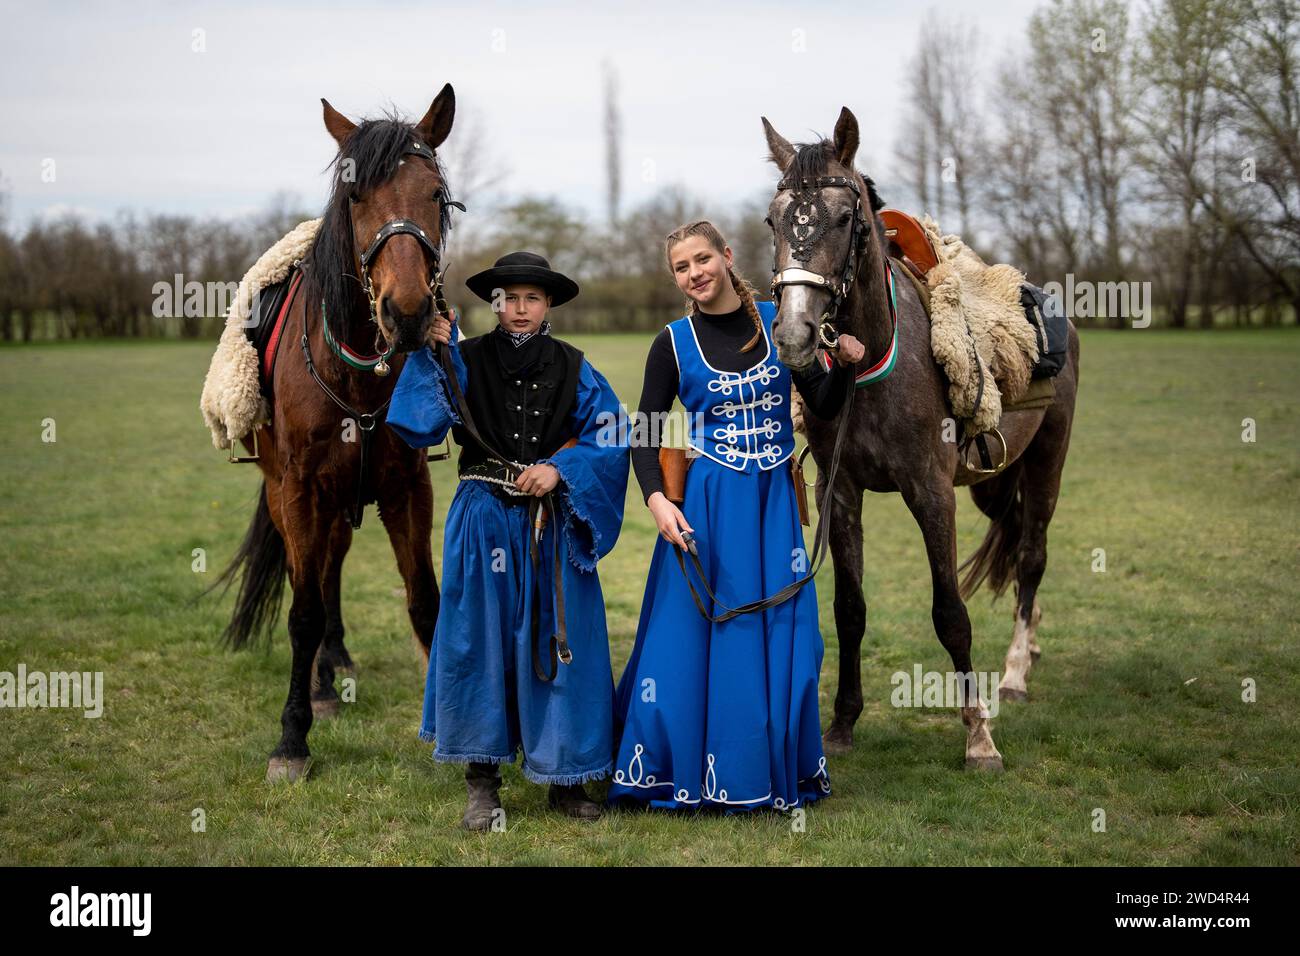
(742, 288)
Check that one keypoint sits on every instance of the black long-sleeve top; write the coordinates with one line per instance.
(721, 338)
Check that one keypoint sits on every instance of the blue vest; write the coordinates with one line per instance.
(735, 417)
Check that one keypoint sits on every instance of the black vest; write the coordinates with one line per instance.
(522, 413)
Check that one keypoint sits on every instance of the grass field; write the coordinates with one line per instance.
(1136, 706)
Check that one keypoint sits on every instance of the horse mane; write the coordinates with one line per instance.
(814, 159)
(375, 148)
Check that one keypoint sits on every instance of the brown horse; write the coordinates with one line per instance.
(896, 437)
(327, 452)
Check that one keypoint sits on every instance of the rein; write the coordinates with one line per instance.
(818, 556)
(365, 420)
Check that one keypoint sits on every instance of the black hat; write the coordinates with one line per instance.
(526, 267)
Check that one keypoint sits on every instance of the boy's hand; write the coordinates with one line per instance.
(538, 479)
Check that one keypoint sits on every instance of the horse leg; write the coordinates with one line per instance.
(1040, 486)
(306, 541)
(935, 509)
(850, 616)
(332, 648)
(409, 522)
(332, 655)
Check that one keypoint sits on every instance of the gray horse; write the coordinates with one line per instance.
(896, 434)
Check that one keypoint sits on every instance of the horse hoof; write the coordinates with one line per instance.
(991, 764)
(837, 742)
(325, 708)
(286, 768)
(1012, 693)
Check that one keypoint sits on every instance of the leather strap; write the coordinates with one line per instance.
(820, 544)
(366, 421)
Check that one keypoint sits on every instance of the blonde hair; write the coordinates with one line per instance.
(745, 291)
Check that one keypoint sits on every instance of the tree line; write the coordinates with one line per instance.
(1154, 142)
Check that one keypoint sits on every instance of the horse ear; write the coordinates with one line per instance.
(846, 137)
(339, 126)
(435, 126)
(782, 153)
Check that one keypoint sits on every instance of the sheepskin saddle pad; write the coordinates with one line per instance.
(233, 400)
(978, 331)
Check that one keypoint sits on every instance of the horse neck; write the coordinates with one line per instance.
(358, 332)
(867, 305)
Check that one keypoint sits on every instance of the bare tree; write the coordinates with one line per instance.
(613, 136)
(1081, 67)
(938, 148)
(1181, 115)
(1259, 201)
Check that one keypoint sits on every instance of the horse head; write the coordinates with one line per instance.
(823, 226)
(386, 222)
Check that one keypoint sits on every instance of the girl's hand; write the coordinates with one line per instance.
(849, 351)
(669, 518)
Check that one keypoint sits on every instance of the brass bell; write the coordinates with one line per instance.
(381, 368)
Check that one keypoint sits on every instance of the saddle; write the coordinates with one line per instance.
(998, 338)
(232, 401)
(909, 242)
(266, 324)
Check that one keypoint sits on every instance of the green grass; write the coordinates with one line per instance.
(1135, 707)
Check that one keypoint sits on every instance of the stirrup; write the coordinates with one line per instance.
(964, 451)
(244, 459)
(441, 455)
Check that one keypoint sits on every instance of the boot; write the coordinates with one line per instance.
(573, 801)
(483, 780)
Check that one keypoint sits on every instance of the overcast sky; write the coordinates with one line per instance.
(134, 117)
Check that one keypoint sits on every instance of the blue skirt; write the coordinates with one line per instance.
(725, 714)
(482, 701)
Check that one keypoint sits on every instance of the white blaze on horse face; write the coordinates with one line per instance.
(803, 306)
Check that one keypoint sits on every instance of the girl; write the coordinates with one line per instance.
(725, 714)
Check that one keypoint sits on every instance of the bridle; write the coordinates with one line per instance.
(804, 224)
(397, 227)
(366, 422)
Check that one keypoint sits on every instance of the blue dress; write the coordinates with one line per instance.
(727, 714)
(482, 701)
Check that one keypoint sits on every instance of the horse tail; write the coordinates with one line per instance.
(261, 563)
(999, 497)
